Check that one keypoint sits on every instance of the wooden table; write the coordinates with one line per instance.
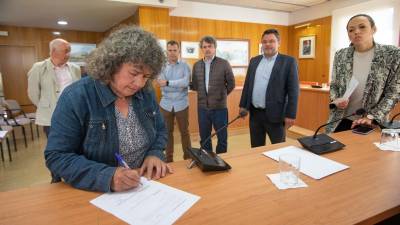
(367, 192)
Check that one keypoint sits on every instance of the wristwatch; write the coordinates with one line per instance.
(167, 83)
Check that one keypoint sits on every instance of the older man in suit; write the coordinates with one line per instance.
(270, 92)
(48, 78)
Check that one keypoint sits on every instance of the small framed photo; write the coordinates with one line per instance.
(307, 47)
(189, 50)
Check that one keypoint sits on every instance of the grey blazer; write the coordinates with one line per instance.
(382, 90)
(282, 91)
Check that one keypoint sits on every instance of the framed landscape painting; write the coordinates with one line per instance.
(235, 51)
(79, 52)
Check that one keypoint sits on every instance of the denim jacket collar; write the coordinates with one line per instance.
(107, 96)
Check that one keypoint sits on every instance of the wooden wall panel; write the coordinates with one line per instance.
(155, 20)
(316, 69)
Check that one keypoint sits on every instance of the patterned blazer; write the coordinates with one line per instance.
(382, 90)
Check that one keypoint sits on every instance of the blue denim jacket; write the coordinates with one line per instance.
(84, 136)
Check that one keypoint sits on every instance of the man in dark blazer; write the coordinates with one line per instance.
(270, 92)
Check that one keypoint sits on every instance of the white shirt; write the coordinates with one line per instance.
(63, 77)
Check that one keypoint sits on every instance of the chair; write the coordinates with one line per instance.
(9, 120)
(6, 130)
(19, 114)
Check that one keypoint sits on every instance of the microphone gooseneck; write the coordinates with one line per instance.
(241, 114)
(358, 112)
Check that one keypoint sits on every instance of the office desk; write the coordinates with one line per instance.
(367, 192)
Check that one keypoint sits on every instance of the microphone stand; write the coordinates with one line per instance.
(198, 155)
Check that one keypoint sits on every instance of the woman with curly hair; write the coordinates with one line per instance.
(376, 69)
(107, 129)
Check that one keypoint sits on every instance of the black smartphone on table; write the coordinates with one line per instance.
(364, 130)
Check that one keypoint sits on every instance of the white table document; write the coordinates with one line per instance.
(312, 165)
(350, 88)
(150, 203)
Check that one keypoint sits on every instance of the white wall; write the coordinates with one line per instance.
(319, 11)
(382, 11)
(230, 13)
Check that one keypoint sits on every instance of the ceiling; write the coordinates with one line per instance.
(87, 15)
(278, 5)
(100, 15)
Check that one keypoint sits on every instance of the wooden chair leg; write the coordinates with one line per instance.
(37, 130)
(9, 149)
(30, 125)
(24, 133)
(1, 149)
(15, 140)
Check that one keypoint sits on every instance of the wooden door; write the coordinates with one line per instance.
(15, 62)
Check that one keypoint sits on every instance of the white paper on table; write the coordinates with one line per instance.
(276, 179)
(312, 165)
(3, 134)
(350, 87)
(150, 203)
(389, 146)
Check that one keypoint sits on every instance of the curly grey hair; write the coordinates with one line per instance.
(129, 44)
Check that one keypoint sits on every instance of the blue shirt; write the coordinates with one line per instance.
(84, 134)
(261, 80)
(175, 95)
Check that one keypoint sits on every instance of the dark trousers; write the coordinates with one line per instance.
(182, 118)
(216, 118)
(260, 127)
(344, 125)
(46, 130)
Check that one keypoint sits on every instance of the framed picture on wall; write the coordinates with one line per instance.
(235, 51)
(307, 47)
(79, 52)
(189, 50)
(163, 44)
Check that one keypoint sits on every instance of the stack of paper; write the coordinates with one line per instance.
(311, 164)
(151, 203)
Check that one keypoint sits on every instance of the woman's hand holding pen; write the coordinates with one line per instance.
(125, 179)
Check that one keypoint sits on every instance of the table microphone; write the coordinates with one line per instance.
(322, 143)
(209, 161)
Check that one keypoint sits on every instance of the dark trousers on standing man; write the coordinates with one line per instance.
(260, 127)
(216, 118)
(182, 117)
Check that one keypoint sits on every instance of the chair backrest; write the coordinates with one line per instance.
(13, 105)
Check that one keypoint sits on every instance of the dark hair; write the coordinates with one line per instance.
(371, 21)
(272, 31)
(173, 42)
(208, 39)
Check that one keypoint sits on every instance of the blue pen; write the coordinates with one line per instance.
(121, 161)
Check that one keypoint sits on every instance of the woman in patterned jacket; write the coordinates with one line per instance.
(376, 69)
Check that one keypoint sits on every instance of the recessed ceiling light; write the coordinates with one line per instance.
(62, 22)
(56, 33)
